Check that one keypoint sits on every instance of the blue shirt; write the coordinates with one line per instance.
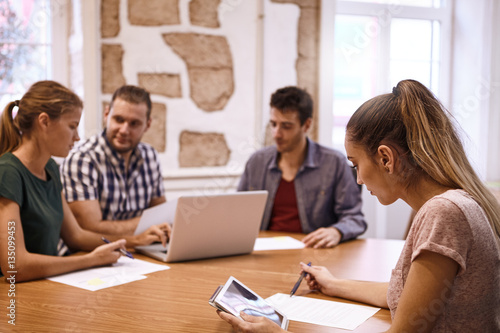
(94, 171)
(327, 193)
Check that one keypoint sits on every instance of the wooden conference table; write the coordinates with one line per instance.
(176, 300)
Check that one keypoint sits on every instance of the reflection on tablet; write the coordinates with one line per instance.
(240, 299)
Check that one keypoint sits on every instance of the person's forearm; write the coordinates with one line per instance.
(131, 241)
(86, 240)
(38, 266)
(374, 293)
(117, 228)
(89, 216)
(157, 201)
(350, 226)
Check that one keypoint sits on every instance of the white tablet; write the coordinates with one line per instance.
(235, 297)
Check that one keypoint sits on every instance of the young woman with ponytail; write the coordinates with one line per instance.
(404, 146)
(33, 211)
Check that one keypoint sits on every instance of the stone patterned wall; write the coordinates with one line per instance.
(307, 64)
(112, 67)
(210, 68)
(153, 12)
(156, 134)
(203, 149)
(165, 84)
(204, 13)
(110, 26)
(209, 61)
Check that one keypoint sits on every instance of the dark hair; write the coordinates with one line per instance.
(413, 121)
(47, 97)
(293, 99)
(134, 95)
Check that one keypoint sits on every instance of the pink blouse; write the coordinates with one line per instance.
(454, 225)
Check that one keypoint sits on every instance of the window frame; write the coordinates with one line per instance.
(60, 33)
(330, 9)
(57, 69)
(384, 221)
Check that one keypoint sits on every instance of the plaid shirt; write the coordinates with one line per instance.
(94, 171)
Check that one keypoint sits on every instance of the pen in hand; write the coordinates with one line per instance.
(302, 275)
(124, 252)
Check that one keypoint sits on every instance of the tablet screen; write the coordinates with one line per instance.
(238, 298)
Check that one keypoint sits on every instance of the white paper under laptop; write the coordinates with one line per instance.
(208, 226)
(163, 213)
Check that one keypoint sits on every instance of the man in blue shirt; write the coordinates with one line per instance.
(311, 187)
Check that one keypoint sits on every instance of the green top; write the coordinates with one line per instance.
(40, 203)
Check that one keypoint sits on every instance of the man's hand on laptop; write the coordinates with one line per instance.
(156, 233)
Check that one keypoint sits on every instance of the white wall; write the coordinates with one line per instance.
(241, 119)
(493, 153)
(280, 50)
(475, 83)
(263, 38)
(152, 55)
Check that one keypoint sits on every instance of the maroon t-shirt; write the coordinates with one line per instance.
(285, 215)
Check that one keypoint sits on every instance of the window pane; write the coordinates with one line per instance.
(416, 3)
(411, 39)
(371, 57)
(436, 56)
(356, 66)
(401, 70)
(414, 51)
(25, 46)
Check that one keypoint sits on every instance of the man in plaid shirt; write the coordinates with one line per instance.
(112, 177)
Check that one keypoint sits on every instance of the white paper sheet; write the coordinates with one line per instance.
(163, 213)
(124, 271)
(322, 312)
(277, 243)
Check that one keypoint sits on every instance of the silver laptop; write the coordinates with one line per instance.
(208, 226)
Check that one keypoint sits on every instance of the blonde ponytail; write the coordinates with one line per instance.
(413, 119)
(437, 149)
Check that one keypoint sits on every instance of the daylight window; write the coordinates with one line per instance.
(379, 43)
(25, 46)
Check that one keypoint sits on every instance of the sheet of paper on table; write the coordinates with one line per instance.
(322, 312)
(277, 243)
(125, 270)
